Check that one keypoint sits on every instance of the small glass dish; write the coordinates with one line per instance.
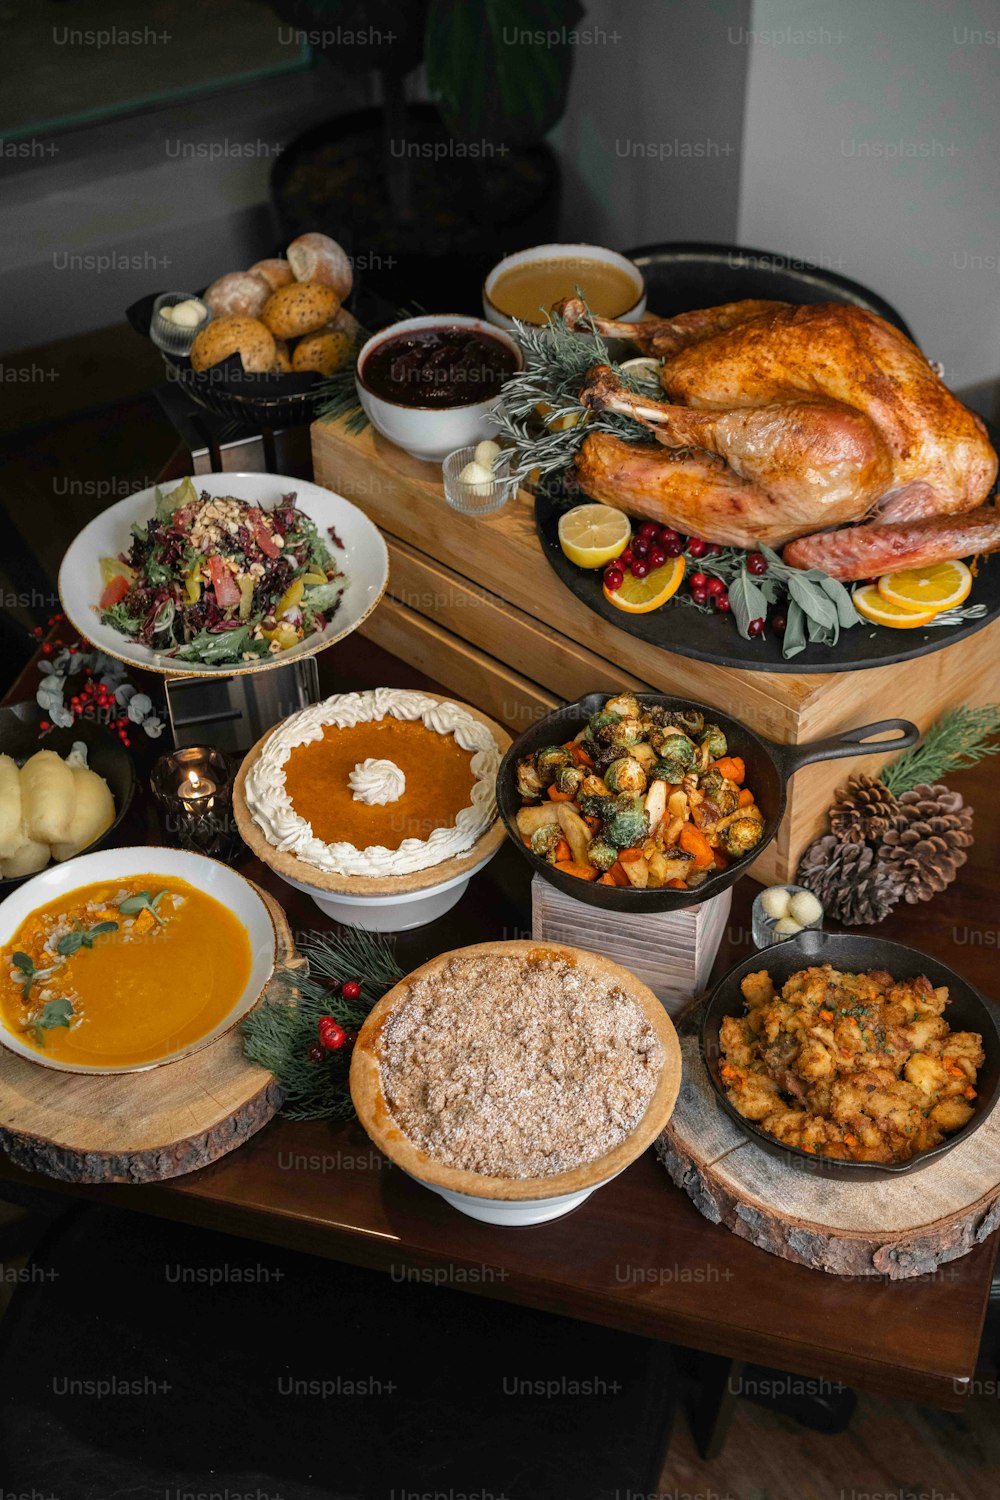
(762, 926)
(166, 335)
(477, 499)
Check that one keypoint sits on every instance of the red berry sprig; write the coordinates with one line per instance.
(332, 1035)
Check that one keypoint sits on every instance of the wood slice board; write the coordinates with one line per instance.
(906, 1226)
(143, 1127)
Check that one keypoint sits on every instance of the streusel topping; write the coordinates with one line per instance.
(517, 1066)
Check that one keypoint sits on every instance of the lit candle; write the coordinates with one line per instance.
(195, 788)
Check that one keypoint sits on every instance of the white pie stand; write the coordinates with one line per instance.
(391, 913)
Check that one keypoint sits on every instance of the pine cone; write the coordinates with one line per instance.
(926, 848)
(853, 883)
(863, 809)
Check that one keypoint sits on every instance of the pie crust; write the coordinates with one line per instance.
(374, 1114)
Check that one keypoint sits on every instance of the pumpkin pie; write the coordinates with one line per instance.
(383, 783)
(516, 1070)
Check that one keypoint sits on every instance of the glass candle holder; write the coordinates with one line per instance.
(194, 789)
(764, 927)
(477, 499)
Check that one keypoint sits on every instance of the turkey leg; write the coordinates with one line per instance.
(661, 337)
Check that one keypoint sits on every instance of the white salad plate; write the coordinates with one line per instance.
(364, 559)
(206, 875)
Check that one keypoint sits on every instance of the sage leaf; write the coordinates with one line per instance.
(794, 639)
(748, 601)
(53, 1013)
(813, 601)
(846, 612)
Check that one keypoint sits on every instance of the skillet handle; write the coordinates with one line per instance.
(792, 758)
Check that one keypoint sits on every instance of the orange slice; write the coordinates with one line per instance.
(942, 586)
(870, 603)
(637, 596)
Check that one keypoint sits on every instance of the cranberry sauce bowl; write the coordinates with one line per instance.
(429, 384)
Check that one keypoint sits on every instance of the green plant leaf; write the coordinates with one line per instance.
(748, 601)
(53, 1013)
(83, 937)
(142, 901)
(794, 639)
(27, 968)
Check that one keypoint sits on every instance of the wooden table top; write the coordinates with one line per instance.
(637, 1255)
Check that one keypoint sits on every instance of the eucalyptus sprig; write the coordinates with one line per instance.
(958, 739)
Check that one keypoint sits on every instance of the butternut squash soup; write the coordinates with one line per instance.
(438, 782)
(123, 972)
(527, 290)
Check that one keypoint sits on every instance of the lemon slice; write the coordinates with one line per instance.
(637, 596)
(870, 603)
(919, 589)
(591, 535)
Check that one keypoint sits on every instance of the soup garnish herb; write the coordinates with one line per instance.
(53, 1013)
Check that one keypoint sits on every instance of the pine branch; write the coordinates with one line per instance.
(958, 739)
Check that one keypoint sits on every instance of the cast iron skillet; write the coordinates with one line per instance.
(966, 1011)
(768, 767)
(20, 737)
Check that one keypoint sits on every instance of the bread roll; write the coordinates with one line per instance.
(48, 797)
(344, 322)
(10, 806)
(282, 358)
(300, 308)
(28, 858)
(276, 272)
(315, 257)
(93, 813)
(239, 294)
(322, 352)
(243, 336)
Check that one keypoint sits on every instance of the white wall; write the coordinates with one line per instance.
(650, 143)
(873, 147)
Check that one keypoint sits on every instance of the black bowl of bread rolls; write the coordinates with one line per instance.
(256, 344)
(61, 791)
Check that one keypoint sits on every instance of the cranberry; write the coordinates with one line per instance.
(625, 558)
(698, 581)
(696, 547)
(648, 529)
(640, 547)
(351, 989)
(613, 579)
(44, 724)
(316, 1054)
(46, 648)
(722, 604)
(668, 534)
(756, 627)
(700, 596)
(715, 586)
(656, 557)
(673, 549)
(712, 549)
(37, 632)
(779, 624)
(756, 564)
(640, 568)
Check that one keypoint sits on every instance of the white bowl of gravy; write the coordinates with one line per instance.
(525, 285)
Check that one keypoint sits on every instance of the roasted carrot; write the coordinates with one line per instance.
(677, 885)
(732, 768)
(629, 856)
(583, 872)
(720, 858)
(563, 852)
(605, 879)
(558, 796)
(969, 1091)
(693, 841)
(826, 1015)
(581, 756)
(746, 797)
(617, 873)
(592, 823)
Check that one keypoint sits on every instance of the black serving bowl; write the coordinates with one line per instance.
(967, 1010)
(20, 737)
(768, 767)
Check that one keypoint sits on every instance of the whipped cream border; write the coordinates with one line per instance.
(285, 829)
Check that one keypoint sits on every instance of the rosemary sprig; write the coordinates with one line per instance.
(958, 739)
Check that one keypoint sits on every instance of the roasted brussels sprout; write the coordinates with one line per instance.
(625, 775)
(627, 823)
(569, 779)
(670, 744)
(713, 742)
(548, 761)
(626, 705)
(595, 805)
(668, 770)
(602, 854)
(601, 720)
(529, 783)
(742, 834)
(622, 734)
(593, 786)
(544, 841)
(691, 720)
(653, 716)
